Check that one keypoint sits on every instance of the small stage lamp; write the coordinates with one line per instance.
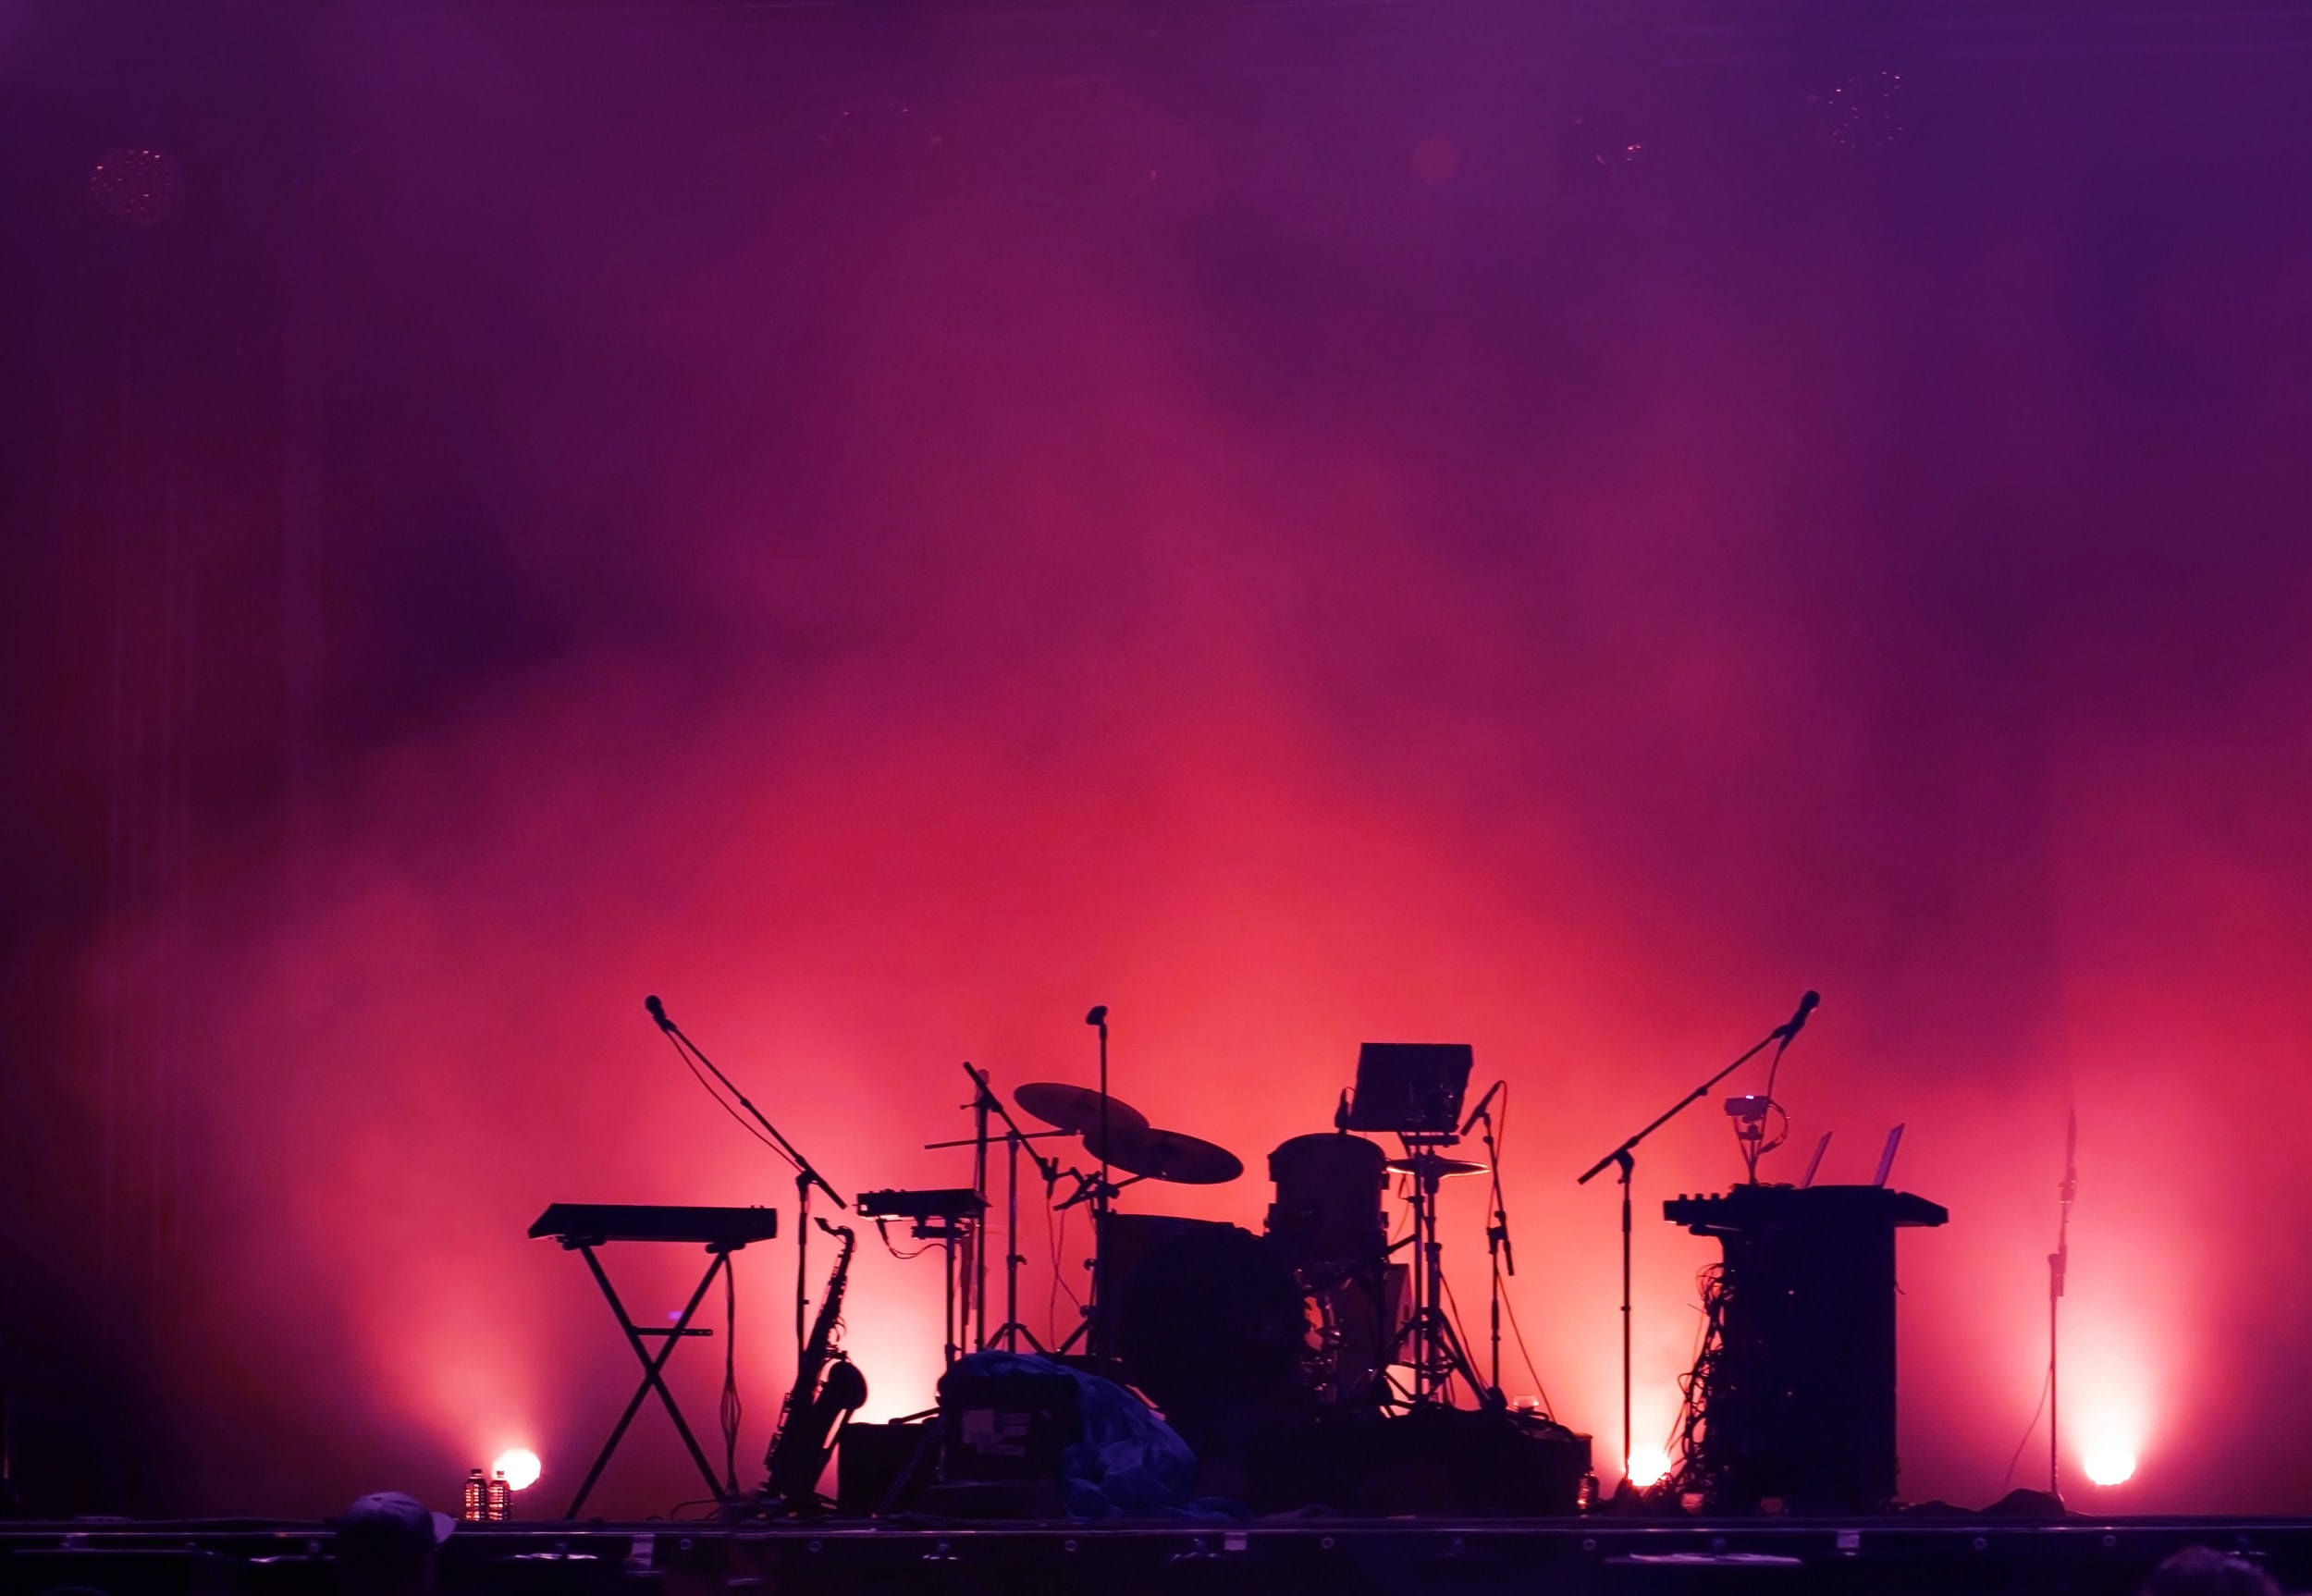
(1648, 1465)
(519, 1466)
(2108, 1462)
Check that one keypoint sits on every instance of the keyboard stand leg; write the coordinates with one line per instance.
(652, 1376)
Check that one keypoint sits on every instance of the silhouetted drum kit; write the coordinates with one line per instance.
(1322, 1307)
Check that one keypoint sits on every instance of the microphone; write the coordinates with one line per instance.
(1806, 1005)
(1098, 1016)
(657, 1012)
(1483, 1103)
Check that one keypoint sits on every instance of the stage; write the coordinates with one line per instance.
(1397, 762)
(2077, 1556)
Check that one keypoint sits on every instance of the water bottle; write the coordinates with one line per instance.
(500, 1499)
(476, 1505)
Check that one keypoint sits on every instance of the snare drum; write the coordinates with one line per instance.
(1329, 1191)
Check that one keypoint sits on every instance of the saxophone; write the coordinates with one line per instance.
(828, 1387)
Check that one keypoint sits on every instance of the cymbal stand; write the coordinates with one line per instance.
(1012, 1331)
(1426, 1340)
(1099, 1192)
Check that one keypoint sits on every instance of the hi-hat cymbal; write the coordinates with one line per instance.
(1434, 1166)
(1165, 1155)
(1076, 1109)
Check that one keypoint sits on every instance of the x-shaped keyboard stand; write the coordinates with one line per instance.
(653, 1368)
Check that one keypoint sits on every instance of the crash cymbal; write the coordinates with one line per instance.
(1165, 1155)
(1076, 1109)
(1436, 1167)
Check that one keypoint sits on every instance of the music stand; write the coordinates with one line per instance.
(1410, 1087)
(1414, 1090)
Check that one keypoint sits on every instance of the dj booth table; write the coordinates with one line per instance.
(1798, 1375)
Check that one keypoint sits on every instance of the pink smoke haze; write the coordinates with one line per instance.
(885, 604)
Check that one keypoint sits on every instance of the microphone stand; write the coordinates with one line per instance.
(2059, 1262)
(1497, 1245)
(1625, 1158)
(806, 1176)
(1096, 1340)
(977, 1276)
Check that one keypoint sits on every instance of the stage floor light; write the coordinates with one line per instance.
(1648, 1465)
(2108, 1462)
(519, 1466)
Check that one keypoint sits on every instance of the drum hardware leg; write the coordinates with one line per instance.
(1431, 1346)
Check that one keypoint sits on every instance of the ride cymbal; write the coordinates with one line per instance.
(1165, 1155)
(1076, 1109)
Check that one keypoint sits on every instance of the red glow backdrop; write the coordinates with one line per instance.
(1570, 622)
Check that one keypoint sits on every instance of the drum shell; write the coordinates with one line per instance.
(1211, 1324)
(1127, 1242)
(1329, 1192)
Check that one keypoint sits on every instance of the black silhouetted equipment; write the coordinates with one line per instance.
(1208, 1321)
(1328, 1222)
(1329, 1192)
(806, 1175)
(1172, 1156)
(1415, 1090)
(1411, 1088)
(1121, 1138)
(827, 1390)
(1796, 1381)
(1624, 1159)
(582, 1227)
(583, 1224)
(940, 1203)
(1077, 1110)
(2058, 1264)
(950, 1217)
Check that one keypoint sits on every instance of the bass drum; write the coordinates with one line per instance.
(1329, 1191)
(1360, 1310)
(1127, 1240)
(1215, 1328)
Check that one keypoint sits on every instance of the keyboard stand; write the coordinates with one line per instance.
(653, 1368)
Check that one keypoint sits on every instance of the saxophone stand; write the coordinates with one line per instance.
(1625, 1158)
(806, 1177)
